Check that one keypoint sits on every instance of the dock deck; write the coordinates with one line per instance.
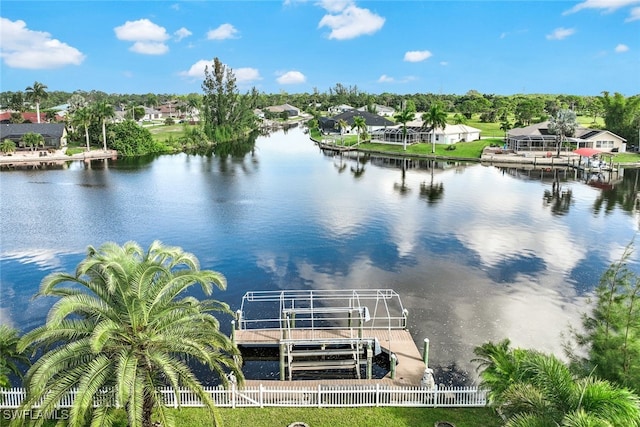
(409, 369)
(329, 330)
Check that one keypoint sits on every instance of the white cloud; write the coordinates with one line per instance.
(634, 15)
(223, 32)
(34, 50)
(243, 75)
(560, 33)
(148, 37)
(149, 48)
(291, 78)
(141, 30)
(181, 33)
(246, 75)
(347, 21)
(385, 79)
(621, 48)
(444, 63)
(417, 55)
(607, 5)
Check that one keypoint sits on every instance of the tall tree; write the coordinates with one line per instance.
(563, 124)
(227, 115)
(82, 117)
(37, 93)
(611, 331)
(435, 118)
(124, 325)
(622, 116)
(403, 116)
(102, 111)
(16, 102)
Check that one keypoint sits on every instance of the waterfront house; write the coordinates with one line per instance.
(537, 137)
(54, 134)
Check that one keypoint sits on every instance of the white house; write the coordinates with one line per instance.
(381, 110)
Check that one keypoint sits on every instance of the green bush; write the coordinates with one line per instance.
(130, 139)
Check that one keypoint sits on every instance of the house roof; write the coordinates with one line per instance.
(281, 108)
(12, 130)
(379, 108)
(370, 119)
(449, 129)
(542, 129)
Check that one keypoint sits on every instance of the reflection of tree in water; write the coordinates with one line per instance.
(558, 199)
(341, 166)
(236, 149)
(358, 170)
(402, 187)
(432, 192)
(623, 193)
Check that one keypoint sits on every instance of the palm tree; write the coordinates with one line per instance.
(535, 389)
(360, 125)
(564, 123)
(103, 111)
(124, 325)
(10, 358)
(403, 117)
(342, 125)
(435, 118)
(37, 93)
(7, 146)
(32, 140)
(82, 117)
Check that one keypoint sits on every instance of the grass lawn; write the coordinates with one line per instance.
(161, 133)
(465, 150)
(330, 417)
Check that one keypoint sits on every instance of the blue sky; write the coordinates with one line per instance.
(404, 47)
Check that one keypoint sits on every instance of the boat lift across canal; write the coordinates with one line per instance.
(332, 330)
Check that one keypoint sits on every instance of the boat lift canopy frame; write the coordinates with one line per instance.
(322, 309)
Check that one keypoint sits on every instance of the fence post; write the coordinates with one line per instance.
(233, 390)
(377, 402)
(319, 396)
(261, 395)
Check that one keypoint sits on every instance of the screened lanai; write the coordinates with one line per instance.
(395, 135)
(537, 142)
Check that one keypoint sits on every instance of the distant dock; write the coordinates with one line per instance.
(316, 332)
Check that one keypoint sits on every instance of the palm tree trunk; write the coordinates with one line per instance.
(433, 141)
(104, 136)
(86, 135)
(38, 111)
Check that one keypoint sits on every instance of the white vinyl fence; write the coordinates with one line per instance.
(320, 397)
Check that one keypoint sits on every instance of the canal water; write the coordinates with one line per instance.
(476, 252)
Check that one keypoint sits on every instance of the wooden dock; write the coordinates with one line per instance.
(409, 369)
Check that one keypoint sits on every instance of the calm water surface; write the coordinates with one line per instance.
(476, 252)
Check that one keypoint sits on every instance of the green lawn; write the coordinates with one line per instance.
(163, 132)
(330, 417)
(465, 150)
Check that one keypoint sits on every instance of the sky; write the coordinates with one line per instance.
(295, 46)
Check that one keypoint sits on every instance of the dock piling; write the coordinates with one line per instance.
(425, 354)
